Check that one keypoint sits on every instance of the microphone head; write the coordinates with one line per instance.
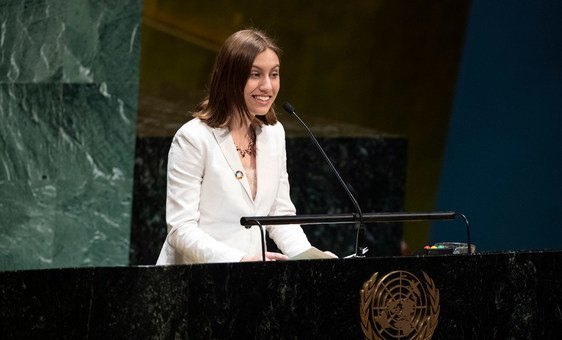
(289, 108)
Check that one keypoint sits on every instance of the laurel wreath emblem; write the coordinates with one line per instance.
(398, 305)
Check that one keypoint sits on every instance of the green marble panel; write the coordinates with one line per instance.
(31, 34)
(68, 102)
(29, 141)
(102, 41)
(96, 171)
(27, 211)
(84, 41)
(66, 174)
(29, 157)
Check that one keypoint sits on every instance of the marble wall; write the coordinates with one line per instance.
(68, 103)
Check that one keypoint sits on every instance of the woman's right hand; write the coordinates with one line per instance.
(269, 256)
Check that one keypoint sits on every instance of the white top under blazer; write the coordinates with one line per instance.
(205, 199)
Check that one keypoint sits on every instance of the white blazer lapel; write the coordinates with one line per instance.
(228, 149)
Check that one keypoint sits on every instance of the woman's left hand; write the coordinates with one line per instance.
(327, 252)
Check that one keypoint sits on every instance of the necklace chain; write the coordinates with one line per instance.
(251, 149)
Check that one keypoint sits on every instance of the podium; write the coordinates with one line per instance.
(485, 296)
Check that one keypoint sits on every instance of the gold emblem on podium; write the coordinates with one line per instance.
(399, 306)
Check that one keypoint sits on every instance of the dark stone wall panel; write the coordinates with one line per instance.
(374, 168)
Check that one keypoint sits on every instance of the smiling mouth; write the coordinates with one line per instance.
(262, 99)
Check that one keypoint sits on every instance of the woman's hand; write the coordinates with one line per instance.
(269, 256)
(327, 252)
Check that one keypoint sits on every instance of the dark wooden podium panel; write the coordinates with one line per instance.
(490, 296)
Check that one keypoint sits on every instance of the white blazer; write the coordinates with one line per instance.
(205, 200)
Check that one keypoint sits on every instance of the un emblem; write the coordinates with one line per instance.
(399, 306)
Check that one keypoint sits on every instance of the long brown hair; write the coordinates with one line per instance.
(230, 74)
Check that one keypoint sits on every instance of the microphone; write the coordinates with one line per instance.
(360, 249)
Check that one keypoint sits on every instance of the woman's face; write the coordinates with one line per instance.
(263, 83)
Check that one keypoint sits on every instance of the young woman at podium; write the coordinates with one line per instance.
(230, 161)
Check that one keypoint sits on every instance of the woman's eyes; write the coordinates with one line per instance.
(257, 75)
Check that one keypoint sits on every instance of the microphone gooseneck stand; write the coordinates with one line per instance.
(360, 248)
(358, 217)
